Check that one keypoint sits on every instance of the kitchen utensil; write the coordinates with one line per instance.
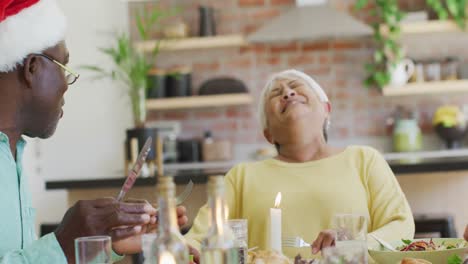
(294, 241)
(135, 171)
(183, 195)
(383, 242)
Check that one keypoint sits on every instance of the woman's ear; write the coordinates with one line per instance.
(268, 136)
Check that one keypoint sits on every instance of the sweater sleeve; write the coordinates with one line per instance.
(201, 222)
(391, 215)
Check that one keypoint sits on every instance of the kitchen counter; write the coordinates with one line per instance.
(401, 164)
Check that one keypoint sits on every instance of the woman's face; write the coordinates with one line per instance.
(291, 102)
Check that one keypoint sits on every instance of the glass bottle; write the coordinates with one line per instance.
(218, 245)
(170, 246)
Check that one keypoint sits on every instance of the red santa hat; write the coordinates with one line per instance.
(28, 26)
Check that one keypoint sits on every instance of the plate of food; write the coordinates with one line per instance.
(435, 251)
(273, 257)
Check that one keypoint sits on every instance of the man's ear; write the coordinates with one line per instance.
(30, 68)
(268, 136)
(328, 107)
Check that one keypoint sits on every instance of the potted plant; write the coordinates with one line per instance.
(130, 65)
(130, 70)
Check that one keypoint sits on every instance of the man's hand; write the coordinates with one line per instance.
(326, 238)
(132, 245)
(101, 217)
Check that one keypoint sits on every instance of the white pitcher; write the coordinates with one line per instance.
(402, 72)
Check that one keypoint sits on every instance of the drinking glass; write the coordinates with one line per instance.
(351, 240)
(93, 250)
(239, 229)
(348, 252)
(350, 227)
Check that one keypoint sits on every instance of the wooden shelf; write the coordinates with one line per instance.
(199, 101)
(442, 87)
(425, 27)
(194, 43)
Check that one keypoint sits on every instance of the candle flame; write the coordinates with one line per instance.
(219, 215)
(278, 200)
(167, 258)
(226, 212)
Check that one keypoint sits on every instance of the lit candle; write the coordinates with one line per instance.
(166, 258)
(275, 225)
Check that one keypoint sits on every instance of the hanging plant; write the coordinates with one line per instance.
(386, 36)
(456, 8)
(387, 32)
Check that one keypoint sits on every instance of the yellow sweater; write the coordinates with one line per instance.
(357, 180)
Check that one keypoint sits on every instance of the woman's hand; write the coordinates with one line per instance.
(326, 238)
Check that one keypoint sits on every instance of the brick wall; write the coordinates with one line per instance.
(336, 64)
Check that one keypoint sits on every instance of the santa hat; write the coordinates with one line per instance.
(28, 26)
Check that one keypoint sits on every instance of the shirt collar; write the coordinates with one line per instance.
(4, 139)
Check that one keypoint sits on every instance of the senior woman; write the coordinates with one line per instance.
(317, 181)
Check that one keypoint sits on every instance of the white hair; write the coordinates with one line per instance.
(287, 74)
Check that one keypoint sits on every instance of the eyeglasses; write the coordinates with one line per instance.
(70, 75)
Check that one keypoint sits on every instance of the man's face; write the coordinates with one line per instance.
(291, 101)
(48, 86)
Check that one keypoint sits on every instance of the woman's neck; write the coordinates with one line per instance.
(295, 152)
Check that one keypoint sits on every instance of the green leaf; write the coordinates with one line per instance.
(369, 67)
(360, 4)
(454, 259)
(141, 27)
(406, 241)
(379, 56)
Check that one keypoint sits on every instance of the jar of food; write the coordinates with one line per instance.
(407, 136)
(450, 69)
(432, 71)
(418, 75)
(179, 82)
(156, 83)
(177, 29)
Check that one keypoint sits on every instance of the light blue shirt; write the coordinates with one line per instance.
(18, 242)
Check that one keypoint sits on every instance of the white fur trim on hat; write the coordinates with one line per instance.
(32, 30)
(287, 74)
